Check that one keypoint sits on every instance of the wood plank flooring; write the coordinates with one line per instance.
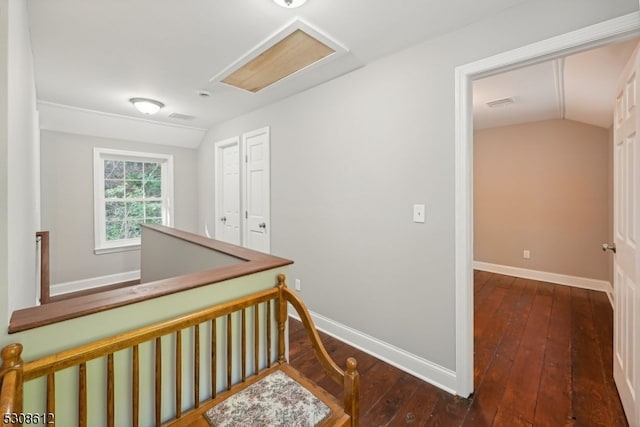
(543, 357)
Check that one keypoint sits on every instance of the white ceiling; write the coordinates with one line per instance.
(96, 54)
(579, 87)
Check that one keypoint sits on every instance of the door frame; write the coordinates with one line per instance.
(217, 164)
(613, 30)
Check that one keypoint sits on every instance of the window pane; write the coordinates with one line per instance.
(113, 188)
(152, 171)
(115, 230)
(114, 211)
(113, 169)
(152, 189)
(133, 170)
(153, 210)
(133, 229)
(134, 189)
(153, 221)
(135, 210)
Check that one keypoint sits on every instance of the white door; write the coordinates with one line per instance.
(227, 190)
(626, 329)
(257, 224)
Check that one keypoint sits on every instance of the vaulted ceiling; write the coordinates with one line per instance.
(579, 87)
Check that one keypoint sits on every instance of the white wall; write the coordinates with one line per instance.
(67, 203)
(22, 161)
(351, 157)
(4, 161)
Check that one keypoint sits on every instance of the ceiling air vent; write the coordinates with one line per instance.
(500, 102)
(296, 47)
(179, 116)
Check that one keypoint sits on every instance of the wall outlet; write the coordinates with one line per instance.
(526, 254)
(297, 285)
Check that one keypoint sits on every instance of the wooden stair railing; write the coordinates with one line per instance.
(11, 385)
(215, 328)
(350, 380)
(45, 285)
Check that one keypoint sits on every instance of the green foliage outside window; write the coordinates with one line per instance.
(133, 196)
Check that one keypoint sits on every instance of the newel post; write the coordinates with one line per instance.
(11, 380)
(282, 317)
(352, 391)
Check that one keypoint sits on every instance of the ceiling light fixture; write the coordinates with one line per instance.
(146, 106)
(290, 4)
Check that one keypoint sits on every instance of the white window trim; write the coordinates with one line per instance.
(101, 245)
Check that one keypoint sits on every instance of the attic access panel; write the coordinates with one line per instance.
(293, 53)
(296, 47)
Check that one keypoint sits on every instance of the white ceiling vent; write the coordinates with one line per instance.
(179, 116)
(296, 47)
(500, 102)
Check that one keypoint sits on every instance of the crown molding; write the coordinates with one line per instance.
(83, 121)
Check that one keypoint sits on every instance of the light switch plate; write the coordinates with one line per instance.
(418, 213)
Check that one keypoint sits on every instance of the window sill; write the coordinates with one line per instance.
(133, 247)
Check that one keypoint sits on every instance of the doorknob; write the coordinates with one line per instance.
(223, 219)
(609, 247)
(262, 225)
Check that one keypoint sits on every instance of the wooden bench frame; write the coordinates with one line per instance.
(14, 372)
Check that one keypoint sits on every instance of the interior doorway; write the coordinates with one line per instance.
(614, 30)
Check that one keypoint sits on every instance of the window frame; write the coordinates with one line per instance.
(101, 244)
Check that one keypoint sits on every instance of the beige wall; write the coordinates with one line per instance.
(545, 187)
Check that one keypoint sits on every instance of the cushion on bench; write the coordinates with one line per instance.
(275, 400)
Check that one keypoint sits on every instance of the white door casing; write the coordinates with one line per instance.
(626, 283)
(616, 29)
(256, 190)
(227, 191)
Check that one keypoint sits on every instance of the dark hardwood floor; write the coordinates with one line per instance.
(543, 357)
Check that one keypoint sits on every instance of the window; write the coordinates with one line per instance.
(130, 189)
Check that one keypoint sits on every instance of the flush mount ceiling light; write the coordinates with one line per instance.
(146, 106)
(290, 4)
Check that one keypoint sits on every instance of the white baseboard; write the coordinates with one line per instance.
(93, 282)
(543, 276)
(419, 367)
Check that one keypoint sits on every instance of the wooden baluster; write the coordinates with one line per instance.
(352, 391)
(178, 374)
(282, 318)
(135, 388)
(82, 395)
(214, 359)
(158, 403)
(196, 367)
(11, 379)
(110, 392)
(244, 345)
(256, 339)
(51, 396)
(269, 333)
(229, 352)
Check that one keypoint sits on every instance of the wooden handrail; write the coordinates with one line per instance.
(45, 278)
(104, 347)
(11, 380)
(57, 311)
(350, 380)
